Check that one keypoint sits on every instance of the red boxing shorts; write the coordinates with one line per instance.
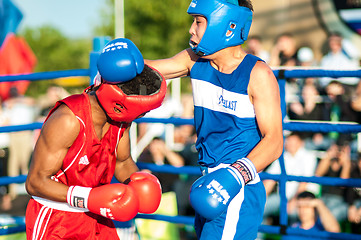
(45, 222)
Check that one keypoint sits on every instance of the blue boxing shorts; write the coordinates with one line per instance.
(241, 219)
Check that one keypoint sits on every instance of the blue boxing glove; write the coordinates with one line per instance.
(120, 61)
(211, 194)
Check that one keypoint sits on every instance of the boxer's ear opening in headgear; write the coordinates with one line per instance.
(126, 101)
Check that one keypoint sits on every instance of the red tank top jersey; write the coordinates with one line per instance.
(90, 161)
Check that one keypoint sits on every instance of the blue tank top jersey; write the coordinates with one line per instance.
(224, 117)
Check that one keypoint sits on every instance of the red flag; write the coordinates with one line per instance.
(16, 57)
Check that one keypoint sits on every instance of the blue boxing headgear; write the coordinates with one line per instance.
(120, 61)
(227, 24)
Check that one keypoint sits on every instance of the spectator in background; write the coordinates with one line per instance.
(183, 185)
(171, 107)
(284, 54)
(335, 163)
(310, 107)
(21, 110)
(183, 133)
(298, 162)
(356, 102)
(306, 59)
(338, 108)
(255, 47)
(159, 153)
(354, 199)
(313, 214)
(4, 158)
(47, 101)
(340, 56)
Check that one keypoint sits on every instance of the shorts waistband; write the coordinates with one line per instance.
(62, 206)
(206, 170)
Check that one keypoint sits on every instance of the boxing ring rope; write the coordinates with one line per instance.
(283, 73)
(46, 75)
(282, 178)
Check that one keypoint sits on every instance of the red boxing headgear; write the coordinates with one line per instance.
(125, 107)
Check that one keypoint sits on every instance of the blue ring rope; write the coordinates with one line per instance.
(6, 230)
(189, 170)
(286, 73)
(45, 75)
(305, 73)
(291, 126)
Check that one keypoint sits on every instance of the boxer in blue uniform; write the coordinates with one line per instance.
(237, 118)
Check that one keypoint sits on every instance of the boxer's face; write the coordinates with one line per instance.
(197, 29)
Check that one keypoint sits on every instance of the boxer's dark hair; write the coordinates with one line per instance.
(246, 3)
(146, 83)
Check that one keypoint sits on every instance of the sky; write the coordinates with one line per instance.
(74, 18)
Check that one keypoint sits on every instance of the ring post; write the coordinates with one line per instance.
(98, 44)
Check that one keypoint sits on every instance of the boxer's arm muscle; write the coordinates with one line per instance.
(176, 66)
(125, 164)
(57, 135)
(265, 96)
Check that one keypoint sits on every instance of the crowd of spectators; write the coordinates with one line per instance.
(329, 154)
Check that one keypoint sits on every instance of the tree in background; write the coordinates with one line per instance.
(158, 28)
(55, 52)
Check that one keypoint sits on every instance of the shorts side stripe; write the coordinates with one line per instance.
(36, 226)
(46, 224)
(39, 221)
(232, 217)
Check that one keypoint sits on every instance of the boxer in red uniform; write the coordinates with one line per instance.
(84, 142)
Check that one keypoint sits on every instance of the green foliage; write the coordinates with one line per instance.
(15, 236)
(107, 25)
(55, 52)
(158, 28)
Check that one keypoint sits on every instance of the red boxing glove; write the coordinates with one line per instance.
(114, 201)
(148, 190)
